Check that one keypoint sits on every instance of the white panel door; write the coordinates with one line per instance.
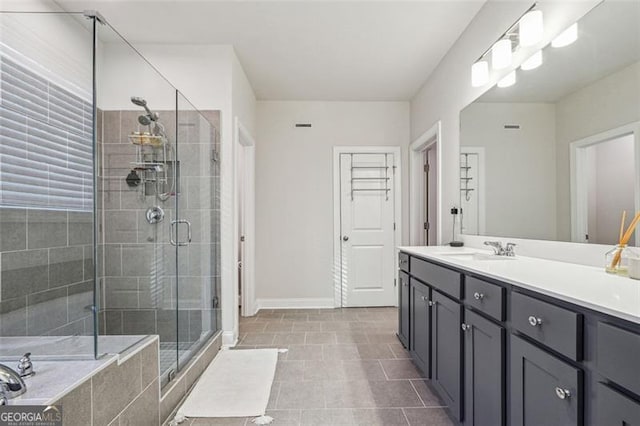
(367, 234)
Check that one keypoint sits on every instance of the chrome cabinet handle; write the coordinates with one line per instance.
(478, 296)
(431, 303)
(535, 321)
(423, 298)
(345, 238)
(562, 393)
(172, 232)
(465, 327)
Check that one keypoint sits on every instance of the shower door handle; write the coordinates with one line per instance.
(173, 231)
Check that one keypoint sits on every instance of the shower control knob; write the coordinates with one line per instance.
(155, 214)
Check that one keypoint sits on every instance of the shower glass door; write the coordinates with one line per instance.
(198, 213)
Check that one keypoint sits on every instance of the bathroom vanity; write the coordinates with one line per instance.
(522, 341)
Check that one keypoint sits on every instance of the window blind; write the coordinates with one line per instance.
(46, 158)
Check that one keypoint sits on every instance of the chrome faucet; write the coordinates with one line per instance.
(497, 247)
(11, 384)
(501, 250)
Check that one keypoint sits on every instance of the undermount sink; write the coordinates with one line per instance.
(474, 256)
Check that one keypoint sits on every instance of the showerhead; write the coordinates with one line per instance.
(139, 101)
(145, 120)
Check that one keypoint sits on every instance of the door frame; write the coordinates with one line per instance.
(417, 191)
(397, 208)
(244, 141)
(577, 162)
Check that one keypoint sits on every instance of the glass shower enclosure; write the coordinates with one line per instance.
(109, 197)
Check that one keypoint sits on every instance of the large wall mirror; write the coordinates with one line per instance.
(556, 156)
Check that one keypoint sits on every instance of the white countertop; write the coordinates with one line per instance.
(586, 286)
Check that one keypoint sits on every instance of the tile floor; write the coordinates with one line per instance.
(343, 367)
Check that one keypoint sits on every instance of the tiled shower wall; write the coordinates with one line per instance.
(46, 277)
(138, 283)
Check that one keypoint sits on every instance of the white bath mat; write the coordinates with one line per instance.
(236, 384)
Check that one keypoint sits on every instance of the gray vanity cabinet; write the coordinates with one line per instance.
(446, 354)
(404, 319)
(421, 325)
(544, 389)
(484, 375)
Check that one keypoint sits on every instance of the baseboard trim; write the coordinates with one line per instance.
(306, 303)
(229, 339)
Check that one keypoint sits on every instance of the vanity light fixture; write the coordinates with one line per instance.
(566, 37)
(533, 62)
(508, 80)
(531, 28)
(480, 73)
(501, 54)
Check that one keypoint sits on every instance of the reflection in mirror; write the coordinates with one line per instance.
(557, 155)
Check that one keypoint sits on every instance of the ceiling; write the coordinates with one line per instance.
(608, 40)
(306, 50)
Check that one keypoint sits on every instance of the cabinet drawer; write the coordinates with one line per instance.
(443, 279)
(617, 356)
(556, 327)
(485, 297)
(615, 409)
(403, 262)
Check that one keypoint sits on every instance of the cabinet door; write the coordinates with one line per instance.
(484, 366)
(615, 409)
(446, 356)
(544, 389)
(420, 325)
(403, 312)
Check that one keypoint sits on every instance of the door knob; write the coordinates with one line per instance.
(345, 238)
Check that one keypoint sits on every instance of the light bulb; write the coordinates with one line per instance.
(501, 54)
(508, 80)
(531, 28)
(566, 37)
(533, 62)
(479, 73)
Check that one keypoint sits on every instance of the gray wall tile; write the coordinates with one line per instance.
(24, 272)
(139, 322)
(13, 317)
(13, 229)
(120, 226)
(145, 409)
(76, 406)
(66, 266)
(80, 228)
(113, 322)
(121, 293)
(46, 311)
(80, 299)
(46, 228)
(114, 388)
(137, 260)
(150, 363)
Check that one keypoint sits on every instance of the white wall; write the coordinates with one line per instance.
(608, 103)
(60, 45)
(294, 188)
(448, 89)
(519, 166)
